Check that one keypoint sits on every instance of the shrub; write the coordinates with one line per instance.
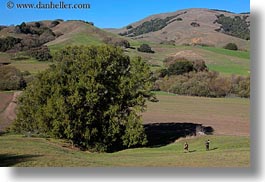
(206, 84)
(195, 24)
(129, 27)
(24, 28)
(12, 79)
(8, 43)
(40, 53)
(90, 23)
(117, 42)
(92, 97)
(145, 48)
(231, 46)
(2, 27)
(37, 24)
(199, 65)
(178, 66)
(54, 23)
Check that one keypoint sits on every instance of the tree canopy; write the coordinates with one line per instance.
(92, 97)
(145, 48)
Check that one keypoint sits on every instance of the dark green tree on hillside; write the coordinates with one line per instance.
(231, 46)
(145, 48)
(92, 97)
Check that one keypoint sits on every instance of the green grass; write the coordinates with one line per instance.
(227, 151)
(31, 65)
(225, 61)
(229, 70)
(78, 39)
(82, 39)
(163, 93)
(239, 54)
(4, 57)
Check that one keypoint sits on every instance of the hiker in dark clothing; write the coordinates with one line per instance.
(207, 145)
(186, 147)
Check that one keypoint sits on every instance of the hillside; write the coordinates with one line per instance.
(79, 33)
(54, 34)
(191, 27)
(40, 152)
(172, 35)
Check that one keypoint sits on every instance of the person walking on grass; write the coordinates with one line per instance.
(186, 147)
(207, 145)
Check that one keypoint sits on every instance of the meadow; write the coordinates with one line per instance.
(217, 59)
(225, 151)
(230, 142)
(229, 117)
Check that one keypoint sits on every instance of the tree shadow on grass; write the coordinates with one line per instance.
(8, 160)
(161, 134)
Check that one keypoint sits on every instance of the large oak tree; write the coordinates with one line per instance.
(92, 96)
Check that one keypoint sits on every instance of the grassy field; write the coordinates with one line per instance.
(33, 66)
(225, 61)
(228, 116)
(217, 59)
(230, 142)
(226, 151)
(239, 54)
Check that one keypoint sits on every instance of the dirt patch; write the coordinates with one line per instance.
(5, 99)
(188, 54)
(9, 114)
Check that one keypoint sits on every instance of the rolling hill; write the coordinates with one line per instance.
(55, 34)
(191, 27)
(79, 33)
(183, 33)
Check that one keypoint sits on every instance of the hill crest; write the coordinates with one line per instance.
(191, 27)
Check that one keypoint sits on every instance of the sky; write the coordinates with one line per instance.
(109, 13)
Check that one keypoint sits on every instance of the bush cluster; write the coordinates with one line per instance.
(231, 46)
(179, 66)
(40, 53)
(13, 79)
(8, 43)
(195, 24)
(185, 77)
(117, 42)
(206, 84)
(145, 48)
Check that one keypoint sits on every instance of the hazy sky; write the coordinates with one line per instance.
(110, 13)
